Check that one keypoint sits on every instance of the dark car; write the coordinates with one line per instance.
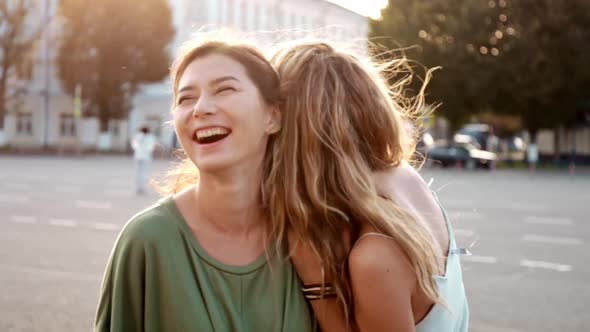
(459, 154)
(479, 134)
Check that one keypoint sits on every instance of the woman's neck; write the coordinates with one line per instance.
(230, 203)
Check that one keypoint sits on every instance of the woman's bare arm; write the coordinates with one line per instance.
(383, 282)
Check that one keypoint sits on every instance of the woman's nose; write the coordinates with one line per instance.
(204, 106)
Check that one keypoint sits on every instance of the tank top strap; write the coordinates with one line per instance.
(452, 242)
(453, 249)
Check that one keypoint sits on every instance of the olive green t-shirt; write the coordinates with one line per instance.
(159, 278)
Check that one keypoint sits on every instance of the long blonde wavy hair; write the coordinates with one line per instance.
(340, 123)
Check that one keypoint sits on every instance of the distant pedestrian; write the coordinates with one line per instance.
(143, 145)
(533, 157)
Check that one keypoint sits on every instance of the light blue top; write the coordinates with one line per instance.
(454, 315)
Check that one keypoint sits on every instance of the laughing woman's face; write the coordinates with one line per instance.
(220, 116)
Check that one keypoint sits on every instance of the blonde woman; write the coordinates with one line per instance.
(203, 259)
(370, 242)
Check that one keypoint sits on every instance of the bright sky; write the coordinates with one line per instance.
(371, 8)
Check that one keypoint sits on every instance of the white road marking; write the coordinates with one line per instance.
(119, 193)
(552, 239)
(14, 199)
(62, 222)
(75, 181)
(548, 221)
(121, 183)
(94, 205)
(545, 265)
(35, 177)
(105, 226)
(479, 259)
(54, 273)
(24, 219)
(524, 207)
(459, 204)
(68, 189)
(469, 215)
(463, 232)
(17, 186)
(490, 328)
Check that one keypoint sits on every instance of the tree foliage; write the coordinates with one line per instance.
(110, 47)
(525, 57)
(544, 70)
(448, 34)
(17, 39)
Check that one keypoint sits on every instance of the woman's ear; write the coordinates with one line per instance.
(274, 122)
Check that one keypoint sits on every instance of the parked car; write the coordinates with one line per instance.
(424, 143)
(480, 134)
(459, 154)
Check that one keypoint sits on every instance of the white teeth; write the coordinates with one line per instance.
(211, 132)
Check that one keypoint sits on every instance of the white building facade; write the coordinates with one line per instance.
(46, 118)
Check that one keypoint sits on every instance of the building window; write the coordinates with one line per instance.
(231, 20)
(24, 124)
(244, 15)
(262, 24)
(24, 69)
(303, 22)
(218, 7)
(290, 21)
(257, 19)
(319, 23)
(67, 125)
(114, 128)
(272, 18)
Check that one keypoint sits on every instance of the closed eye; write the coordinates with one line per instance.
(224, 89)
(185, 99)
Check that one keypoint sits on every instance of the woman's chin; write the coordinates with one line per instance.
(212, 165)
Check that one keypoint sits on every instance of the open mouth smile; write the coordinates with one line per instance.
(211, 135)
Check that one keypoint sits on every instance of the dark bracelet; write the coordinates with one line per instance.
(317, 291)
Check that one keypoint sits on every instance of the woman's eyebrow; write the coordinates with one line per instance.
(223, 79)
(213, 82)
(186, 88)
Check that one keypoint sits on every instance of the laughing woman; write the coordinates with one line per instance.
(203, 258)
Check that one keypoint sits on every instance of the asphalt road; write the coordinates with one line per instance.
(529, 236)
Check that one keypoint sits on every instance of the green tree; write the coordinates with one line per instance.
(526, 58)
(544, 68)
(459, 36)
(109, 48)
(17, 39)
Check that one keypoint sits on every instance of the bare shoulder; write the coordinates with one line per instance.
(405, 186)
(376, 258)
(402, 181)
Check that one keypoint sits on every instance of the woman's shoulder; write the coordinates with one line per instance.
(401, 181)
(151, 224)
(363, 254)
(377, 259)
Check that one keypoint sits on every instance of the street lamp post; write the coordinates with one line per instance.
(47, 63)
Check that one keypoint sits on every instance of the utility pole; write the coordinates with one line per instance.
(46, 94)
